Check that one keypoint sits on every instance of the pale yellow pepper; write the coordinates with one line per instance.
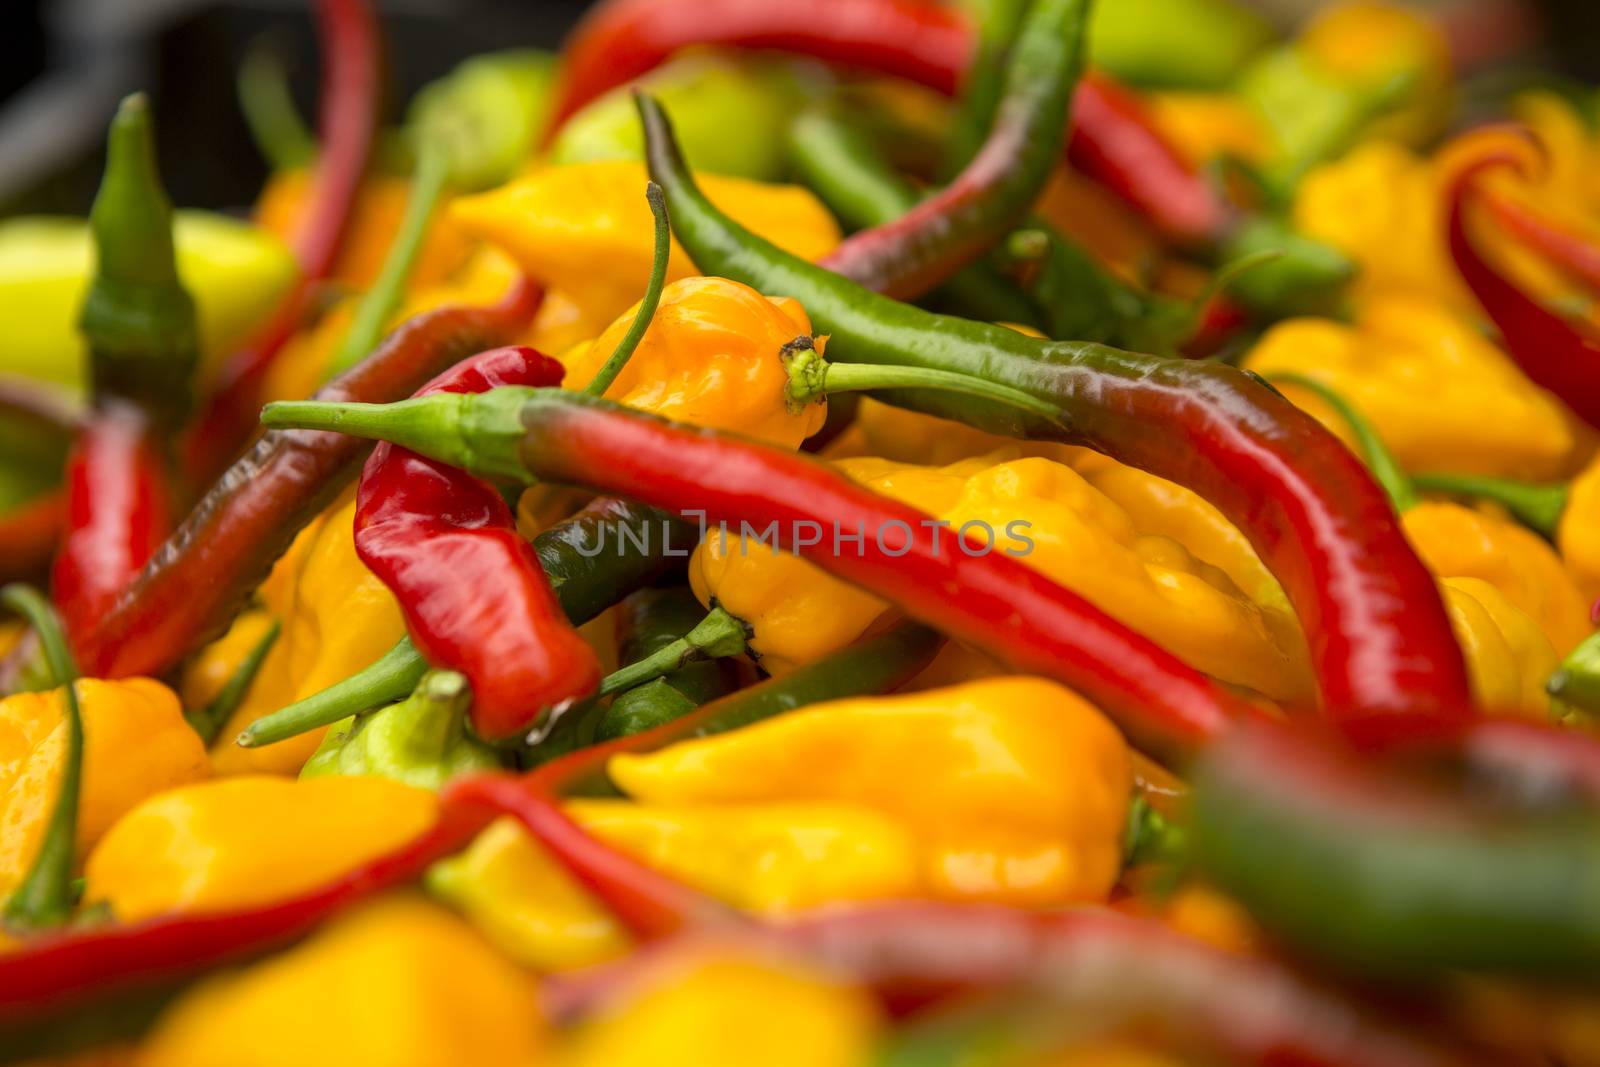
(1578, 533)
(710, 358)
(525, 903)
(1508, 656)
(1441, 396)
(729, 1008)
(337, 618)
(1014, 789)
(400, 982)
(1077, 536)
(585, 229)
(135, 744)
(249, 840)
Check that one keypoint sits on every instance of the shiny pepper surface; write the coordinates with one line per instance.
(711, 358)
(337, 618)
(400, 982)
(1509, 658)
(248, 840)
(729, 1008)
(136, 744)
(1072, 533)
(585, 229)
(1441, 396)
(1015, 789)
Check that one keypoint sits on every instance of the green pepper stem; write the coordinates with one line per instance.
(383, 299)
(209, 719)
(1577, 681)
(44, 898)
(1385, 468)
(719, 634)
(274, 122)
(389, 679)
(811, 378)
(1538, 507)
(652, 297)
(433, 714)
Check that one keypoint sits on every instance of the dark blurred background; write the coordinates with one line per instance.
(64, 64)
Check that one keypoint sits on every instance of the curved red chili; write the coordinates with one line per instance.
(1112, 139)
(474, 595)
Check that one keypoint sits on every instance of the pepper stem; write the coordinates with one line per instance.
(383, 299)
(433, 714)
(652, 297)
(275, 125)
(1538, 507)
(44, 898)
(1385, 468)
(1577, 681)
(719, 634)
(209, 719)
(812, 378)
(387, 680)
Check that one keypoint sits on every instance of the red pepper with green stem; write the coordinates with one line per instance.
(1112, 140)
(199, 577)
(472, 591)
(348, 120)
(1379, 636)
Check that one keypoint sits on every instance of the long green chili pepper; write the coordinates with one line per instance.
(44, 898)
(652, 297)
(209, 719)
(999, 22)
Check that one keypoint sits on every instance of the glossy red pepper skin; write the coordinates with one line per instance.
(1573, 253)
(1112, 139)
(197, 579)
(348, 124)
(1550, 350)
(475, 598)
(118, 512)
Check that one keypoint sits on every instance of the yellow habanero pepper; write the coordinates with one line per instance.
(400, 982)
(1051, 518)
(1482, 416)
(728, 1008)
(585, 230)
(248, 840)
(1578, 533)
(136, 744)
(1020, 792)
(710, 357)
(1508, 656)
(337, 618)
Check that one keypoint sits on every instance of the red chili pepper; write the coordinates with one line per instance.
(472, 590)
(118, 511)
(198, 578)
(1574, 253)
(349, 117)
(1112, 140)
(1549, 349)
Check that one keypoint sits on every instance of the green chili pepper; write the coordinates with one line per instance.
(420, 741)
(1304, 277)
(138, 319)
(999, 22)
(657, 621)
(488, 113)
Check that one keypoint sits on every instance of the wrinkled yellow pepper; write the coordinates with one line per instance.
(337, 618)
(711, 358)
(729, 1008)
(1509, 658)
(1078, 536)
(1020, 791)
(1481, 415)
(400, 982)
(135, 744)
(380, 205)
(248, 840)
(525, 903)
(1578, 534)
(585, 229)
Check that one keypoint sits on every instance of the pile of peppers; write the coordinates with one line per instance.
(855, 533)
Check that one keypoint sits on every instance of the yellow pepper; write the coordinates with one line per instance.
(379, 207)
(136, 744)
(337, 618)
(1208, 126)
(729, 1008)
(1508, 657)
(1441, 396)
(585, 229)
(1570, 179)
(710, 357)
(1019, 791)
(400, 983)
(1578, 534)
(1078, 536)
(525, 903)
(248, 840)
